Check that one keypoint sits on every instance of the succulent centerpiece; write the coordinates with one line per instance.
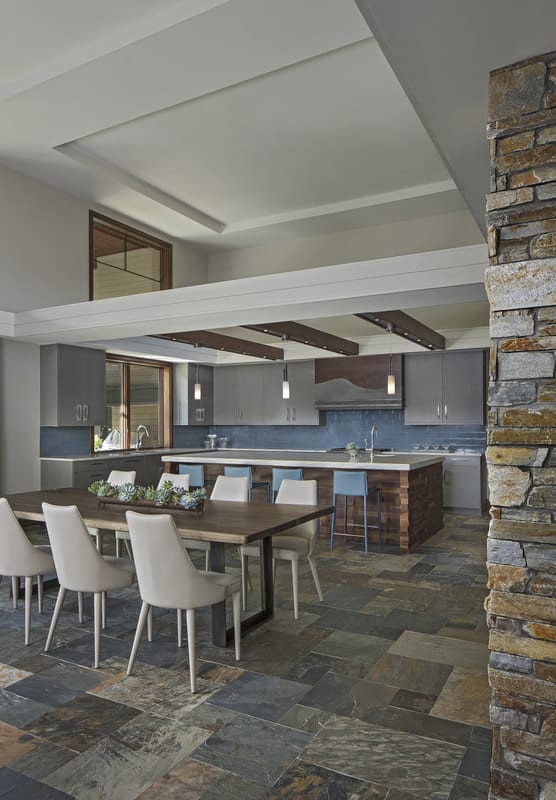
(168, 495)
(352, 449)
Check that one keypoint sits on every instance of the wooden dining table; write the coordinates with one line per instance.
(220, 522)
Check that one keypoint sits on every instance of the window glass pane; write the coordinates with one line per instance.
(111, 282)
(110, 436)
(143, 261)
(144, 405)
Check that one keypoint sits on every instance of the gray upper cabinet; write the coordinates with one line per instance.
(444, 388)
(238, 395)
(299, 409)
(72, 385)
(188, 410)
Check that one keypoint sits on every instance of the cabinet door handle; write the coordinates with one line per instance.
(79, 412)
(446, 411)
(438, 411)
(85, 412)
(287, 414)
(293, 414)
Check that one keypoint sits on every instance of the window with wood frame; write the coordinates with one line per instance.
(137, 406)
(125, 261)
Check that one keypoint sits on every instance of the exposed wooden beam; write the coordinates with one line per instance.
(407, 327)
(219, 341)
(303, 334)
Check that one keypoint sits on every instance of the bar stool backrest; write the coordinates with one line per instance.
(279, 474)
(352, 484)
(196, 474)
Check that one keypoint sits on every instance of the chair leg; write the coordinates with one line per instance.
(128, 549)
(379, 515)
(180, 627)
(97, 604)
(55, 616)
(103, 610)
(333, 523)
(15, 590)
(28, 596)
(365, 526)
(150, 625)
(40, 591)
(237, 624)
(118, 547)
(207, 560)
(143, 614)
(244, 580)
(295, 585)
(345, 514)
(315, 575)
(190, 615)
(80, 606)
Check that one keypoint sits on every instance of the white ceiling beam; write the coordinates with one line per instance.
(408, 193)
(80, 154)
(396, 282)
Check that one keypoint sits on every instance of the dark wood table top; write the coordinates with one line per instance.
(225, 522)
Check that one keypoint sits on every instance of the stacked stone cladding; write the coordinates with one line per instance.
(521, 458)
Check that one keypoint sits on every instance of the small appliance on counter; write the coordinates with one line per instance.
(223, 441)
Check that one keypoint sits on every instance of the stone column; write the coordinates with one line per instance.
(521, 284)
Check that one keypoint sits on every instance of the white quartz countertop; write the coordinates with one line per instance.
(101, 455)
(399, 462)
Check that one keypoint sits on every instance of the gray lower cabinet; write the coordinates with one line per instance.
(188, 410)
(444, 388)
(72, 384)
(79, 474)
(464, 483)
(299, 408)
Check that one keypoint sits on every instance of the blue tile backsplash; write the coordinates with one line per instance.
(335, 430)
(339, 427)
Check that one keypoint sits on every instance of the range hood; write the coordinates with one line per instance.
(357, 382)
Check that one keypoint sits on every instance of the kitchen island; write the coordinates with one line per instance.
(410, 484)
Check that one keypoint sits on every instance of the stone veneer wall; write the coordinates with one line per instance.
(521, 283)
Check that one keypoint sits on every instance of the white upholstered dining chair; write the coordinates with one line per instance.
(20, 559)
(293, 544)
(80, 566)
(168, 578)
(231, 489)
(117, 477)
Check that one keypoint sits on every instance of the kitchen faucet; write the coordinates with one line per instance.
(373, 435)
(141, 432)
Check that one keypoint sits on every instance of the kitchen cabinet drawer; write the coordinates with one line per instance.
(444, 388)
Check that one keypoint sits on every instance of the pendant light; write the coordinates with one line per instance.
(197, 393)
(285, 383)
(285, 379)
(391, 379)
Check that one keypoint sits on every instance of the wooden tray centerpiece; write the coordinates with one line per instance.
(166, 496)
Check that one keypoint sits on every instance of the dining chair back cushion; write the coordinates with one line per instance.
(231, 488)
(79, 565)
(304, 493)
(176, 480)
(17, 555)
(196, 474)
(118, 477)
(159, 553)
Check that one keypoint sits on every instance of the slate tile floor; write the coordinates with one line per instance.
(379, 693)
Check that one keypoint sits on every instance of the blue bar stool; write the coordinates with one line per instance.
(354, 484)
(196, 474)
(278, 475)
(246, 472)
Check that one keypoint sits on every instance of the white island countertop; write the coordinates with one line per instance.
(398, 462)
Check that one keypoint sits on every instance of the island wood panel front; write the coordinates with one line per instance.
(411, 500)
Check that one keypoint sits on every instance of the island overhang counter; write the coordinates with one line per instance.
(410, 484)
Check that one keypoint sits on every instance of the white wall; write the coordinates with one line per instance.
(19, 416)
(454, 229)
(44, 246)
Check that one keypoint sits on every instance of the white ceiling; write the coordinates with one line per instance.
(244, 122)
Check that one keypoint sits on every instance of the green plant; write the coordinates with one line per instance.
(352, 446)
(127, 492)
(150, 493)
(103, 489)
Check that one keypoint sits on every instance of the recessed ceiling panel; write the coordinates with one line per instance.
(330, 129)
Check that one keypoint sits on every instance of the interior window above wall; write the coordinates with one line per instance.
(125, 261)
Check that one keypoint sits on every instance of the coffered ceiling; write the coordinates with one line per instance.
(235, 123)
